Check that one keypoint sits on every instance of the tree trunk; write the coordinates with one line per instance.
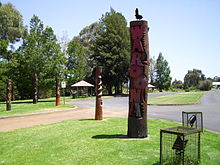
(35, 91)
(110, 90)
(121, 88)
(12, 92)
(8, 95)
(57, 91)
(117, 89)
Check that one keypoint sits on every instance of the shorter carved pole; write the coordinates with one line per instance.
(57, 91)
(98, 85)
(35, 92)
(8, 95)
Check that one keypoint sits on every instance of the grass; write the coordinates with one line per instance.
(88, 141)
(44, 105)
(26, 106)
(179, 98)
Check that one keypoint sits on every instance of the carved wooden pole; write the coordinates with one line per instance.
(8, 95)
(98, 86)
(35, 92)
(57, 91)
(137, 117)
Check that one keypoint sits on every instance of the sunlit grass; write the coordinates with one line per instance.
(26, 106)
(88, 141)
(179, 98)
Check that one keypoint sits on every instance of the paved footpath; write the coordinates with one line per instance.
(118, 107)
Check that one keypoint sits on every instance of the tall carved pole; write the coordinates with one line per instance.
(137, 117)
(57, 91)
(98, 86)
(8, 95)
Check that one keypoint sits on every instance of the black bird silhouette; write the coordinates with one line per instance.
(192, 120)
(137, 14)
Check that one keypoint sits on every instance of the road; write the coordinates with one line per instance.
(118, 107)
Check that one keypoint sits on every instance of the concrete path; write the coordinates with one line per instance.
(118, 107)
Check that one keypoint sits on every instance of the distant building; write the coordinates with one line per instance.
(216, 85)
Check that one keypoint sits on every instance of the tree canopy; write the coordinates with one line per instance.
(192, 78)
(177, 84)
(111, 50)
(152, 70)
(39, 58)
(163, 79)
(77, 63)
(11, 28)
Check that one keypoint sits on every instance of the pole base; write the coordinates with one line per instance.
(137, 127)
(8, 107)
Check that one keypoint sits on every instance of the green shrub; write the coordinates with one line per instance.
(205, 85)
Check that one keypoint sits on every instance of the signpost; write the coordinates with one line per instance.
(63, 85)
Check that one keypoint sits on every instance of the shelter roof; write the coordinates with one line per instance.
(150, 86)
(82, 84)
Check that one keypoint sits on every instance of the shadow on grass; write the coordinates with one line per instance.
(115, 136)
(46, 101)
(86, 119)
(31, 102)
(121, 95)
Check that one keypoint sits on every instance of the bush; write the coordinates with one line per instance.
(172, 89)
(2, 91)
(190, 89)
(205, 85)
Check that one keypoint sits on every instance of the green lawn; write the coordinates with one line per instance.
(44, 105)
(93, 142)
(26, 106)
(179, 98)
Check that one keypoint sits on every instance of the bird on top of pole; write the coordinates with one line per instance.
(139, 17)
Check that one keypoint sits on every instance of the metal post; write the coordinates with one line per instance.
(161, 149)
(64, 95)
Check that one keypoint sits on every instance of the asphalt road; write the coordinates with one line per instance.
(118, 107)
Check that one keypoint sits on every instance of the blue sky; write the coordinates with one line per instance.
(187, 32)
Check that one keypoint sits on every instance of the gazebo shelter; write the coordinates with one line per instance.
(83, 89)
(151, 87)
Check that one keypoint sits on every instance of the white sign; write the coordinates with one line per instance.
(63, 84)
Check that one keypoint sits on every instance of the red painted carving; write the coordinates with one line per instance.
(137, 31)
(135, 71)
(135, 95)
(140, 83)
(137, 46)
(136, 59)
